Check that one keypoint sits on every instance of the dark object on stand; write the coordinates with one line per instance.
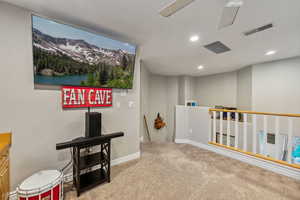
(92, 124)
(90, 168)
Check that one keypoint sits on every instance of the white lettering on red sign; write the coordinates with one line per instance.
(73, 97)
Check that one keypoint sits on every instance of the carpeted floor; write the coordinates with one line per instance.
(168, 171)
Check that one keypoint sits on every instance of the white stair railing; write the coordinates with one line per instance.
(246, 135)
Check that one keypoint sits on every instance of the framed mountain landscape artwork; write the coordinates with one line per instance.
(65, 55)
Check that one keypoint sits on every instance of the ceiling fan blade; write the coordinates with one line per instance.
(234, 3)
(230, 12)
(174, 7)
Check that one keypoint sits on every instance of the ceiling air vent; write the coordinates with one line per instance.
(259, 29)
(217, 47)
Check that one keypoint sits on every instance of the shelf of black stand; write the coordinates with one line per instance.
(92, 179)
(92, 160)
(93, 169)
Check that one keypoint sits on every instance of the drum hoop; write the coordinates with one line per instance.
(45, 188)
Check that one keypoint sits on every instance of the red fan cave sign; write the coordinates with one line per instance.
(78, 97)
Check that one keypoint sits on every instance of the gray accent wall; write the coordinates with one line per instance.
(35, 116)
(163, 97)
(275, 88)
(181, 90)
(159, 94)
(244, 88)
(219, 89)
(186, 89)
(276, 85)
(144, 84)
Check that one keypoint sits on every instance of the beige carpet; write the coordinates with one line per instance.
(168, 171)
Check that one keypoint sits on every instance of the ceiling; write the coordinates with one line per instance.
(164, 42)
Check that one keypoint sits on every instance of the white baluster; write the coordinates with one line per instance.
(214, 126)
(277, 137)
(228, 128)
(265, 131)
(290, 136)
(221, 128)
(212, 131)
(245, 131)
(236, 133)
(254, 128)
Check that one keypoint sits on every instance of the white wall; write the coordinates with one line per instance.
(220, 89)
(275, 88)
(181, 123)
(163, 96)
(186, 89)
(189, 84)
(144, 81)
(244, 88)
(270, 87)
(192, 123)
(181, 90)
(36, 118)
(157, 104)
(172, 101)
(158, 94)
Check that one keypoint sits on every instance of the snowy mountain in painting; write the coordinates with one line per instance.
(78, 50)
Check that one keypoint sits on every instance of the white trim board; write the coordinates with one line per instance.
(268, 165)
(126, 158)
(69, 177)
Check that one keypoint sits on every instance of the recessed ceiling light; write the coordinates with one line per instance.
(194, 38)
(200, 67)
(272, 52)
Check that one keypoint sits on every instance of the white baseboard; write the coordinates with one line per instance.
(182, 141)
(268, 165)
(126, 158)
(69, 177)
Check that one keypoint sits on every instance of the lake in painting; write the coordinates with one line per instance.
(60, 80)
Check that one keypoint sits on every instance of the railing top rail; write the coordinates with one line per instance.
(256, 113)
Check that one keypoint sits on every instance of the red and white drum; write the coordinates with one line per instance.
(44, 185)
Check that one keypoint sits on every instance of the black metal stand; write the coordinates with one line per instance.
(90, 168)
